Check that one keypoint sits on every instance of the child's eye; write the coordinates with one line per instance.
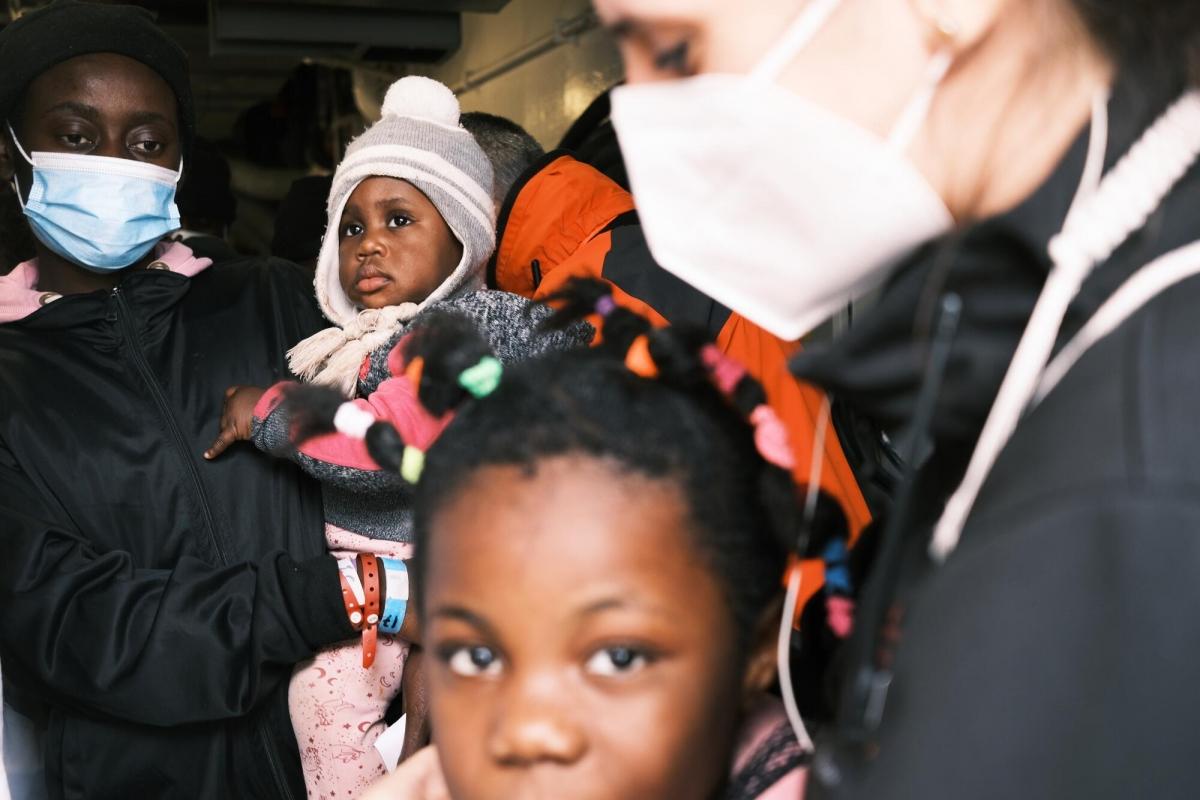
(351, 229)
(399, 220)
(473, 661)
(612, 661)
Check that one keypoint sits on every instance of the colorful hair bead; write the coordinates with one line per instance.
(412, 464)
(839, 614)
(483, 378)
(352, 421)
(726, 372)
(414, 370)
(771, 439)
(638, 359)
(606, 305)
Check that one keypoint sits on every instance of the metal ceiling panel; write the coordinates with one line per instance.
(246, 26)
(448, 6)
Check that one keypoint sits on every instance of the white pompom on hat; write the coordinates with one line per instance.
(419, 140)
(421, 98)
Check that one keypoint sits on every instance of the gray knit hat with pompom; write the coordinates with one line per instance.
(418, 140)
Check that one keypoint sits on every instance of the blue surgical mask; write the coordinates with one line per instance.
(98, 212)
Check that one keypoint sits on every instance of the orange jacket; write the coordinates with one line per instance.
(566, 219)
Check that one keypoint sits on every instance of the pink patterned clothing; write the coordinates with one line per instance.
(768, 763)
(337, 706)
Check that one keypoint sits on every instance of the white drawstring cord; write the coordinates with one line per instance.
(783, 645)
(1093, 167)
(1120, 206)
(1145, 284)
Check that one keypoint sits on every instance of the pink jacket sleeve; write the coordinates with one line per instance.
(393, 401)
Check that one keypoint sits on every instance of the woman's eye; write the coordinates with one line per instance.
(75, 140)
(473, 661)
(673, 59)
(149, 147)
(351, 229)
(613, 661)
(399, 220)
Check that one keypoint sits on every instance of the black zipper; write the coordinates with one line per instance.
(123, 318)
(139, 359)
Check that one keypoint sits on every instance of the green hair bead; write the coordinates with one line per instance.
(483, 378)
(412, 464)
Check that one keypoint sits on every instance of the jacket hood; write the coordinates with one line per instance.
(555, 207)
(997, 267)
(20, 297)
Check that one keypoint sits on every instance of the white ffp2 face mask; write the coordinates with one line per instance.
(768, 203)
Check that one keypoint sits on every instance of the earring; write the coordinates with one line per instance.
(944, 28)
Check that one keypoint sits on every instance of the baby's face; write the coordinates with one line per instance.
(393, 245)
(581, 648)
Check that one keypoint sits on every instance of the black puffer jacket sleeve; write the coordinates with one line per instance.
(185, 643)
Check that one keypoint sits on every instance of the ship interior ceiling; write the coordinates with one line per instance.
(282, 87)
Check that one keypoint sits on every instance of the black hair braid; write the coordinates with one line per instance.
(449, 343)
(312, 408)
(677, 427)
(578, 300)
(676, 354)
(385, 446)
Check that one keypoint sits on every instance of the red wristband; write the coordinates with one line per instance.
(369, 572)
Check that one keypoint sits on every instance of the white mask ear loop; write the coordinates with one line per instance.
(810, 21)
(16, 183)
(783, 648)
(806, 25)
(914, 114)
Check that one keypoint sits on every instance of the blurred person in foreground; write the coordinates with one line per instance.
(1017, 171)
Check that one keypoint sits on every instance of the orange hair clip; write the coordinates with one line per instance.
(639, 361)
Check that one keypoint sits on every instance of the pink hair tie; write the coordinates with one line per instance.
(771, 438)
(726, 372)
(606, 305)
(839, 613)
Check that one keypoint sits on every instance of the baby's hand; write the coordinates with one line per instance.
(237, 416)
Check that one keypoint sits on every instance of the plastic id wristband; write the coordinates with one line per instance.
(369, 572)
(352, 593)
(397, 595)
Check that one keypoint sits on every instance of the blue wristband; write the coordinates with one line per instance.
(396, 602)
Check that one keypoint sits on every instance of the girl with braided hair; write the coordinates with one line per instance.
(601, 547)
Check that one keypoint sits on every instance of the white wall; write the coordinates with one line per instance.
(544, 95)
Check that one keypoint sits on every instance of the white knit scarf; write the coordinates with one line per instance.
(334, 356)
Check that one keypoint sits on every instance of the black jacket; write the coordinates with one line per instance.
(1054, 654)
(154, 604)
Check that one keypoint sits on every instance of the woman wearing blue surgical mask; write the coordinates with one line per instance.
(154, 604)
(1019, 179)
